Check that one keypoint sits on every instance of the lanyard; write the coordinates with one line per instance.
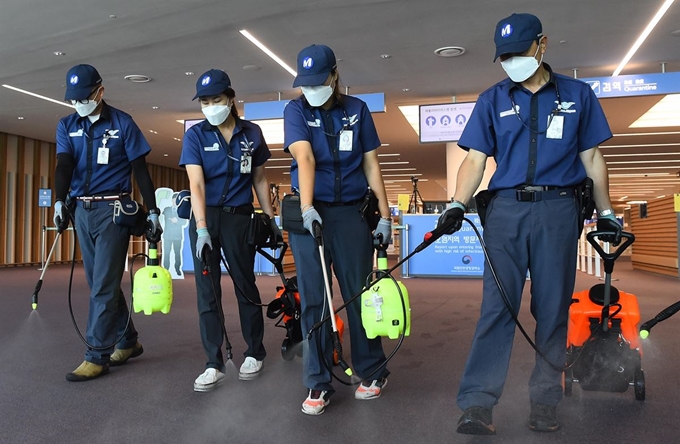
(553, 113)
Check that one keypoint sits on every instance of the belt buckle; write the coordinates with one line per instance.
(527, 196)
(87, 204)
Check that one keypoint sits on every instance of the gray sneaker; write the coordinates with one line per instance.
(476, 421)
(543, 418)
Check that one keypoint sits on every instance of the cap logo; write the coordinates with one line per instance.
(206, 80)
(506, 30)
(73, 80)
(307, 63)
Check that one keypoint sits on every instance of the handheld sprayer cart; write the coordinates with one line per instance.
(286, 307)
(603, 346)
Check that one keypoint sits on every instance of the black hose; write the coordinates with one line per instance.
(662, 316)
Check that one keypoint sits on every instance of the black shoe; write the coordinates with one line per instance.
(543, 418)
(121, 356)
(476, 421)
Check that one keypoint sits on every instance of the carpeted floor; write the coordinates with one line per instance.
(151, 399)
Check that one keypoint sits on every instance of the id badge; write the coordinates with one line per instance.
(103, 156)
(346, 140)
(246, 163)
(555, 128)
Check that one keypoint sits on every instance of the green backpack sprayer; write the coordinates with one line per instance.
(385, 307)
(152, 289)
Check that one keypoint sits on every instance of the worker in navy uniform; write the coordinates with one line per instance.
(543, 130)
(97, 148)
(224, 158)
(333, 141)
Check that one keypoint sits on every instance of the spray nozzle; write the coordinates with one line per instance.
(230, 355)
(337, 347)
(431, 236)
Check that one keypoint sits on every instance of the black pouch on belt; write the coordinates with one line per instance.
(370, 211)
(291, 214)
(259, 230)
(127, 212)
(584, 194)
(482, 201)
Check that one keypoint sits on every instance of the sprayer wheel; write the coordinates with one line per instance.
(639, 385)
(287, 350)
(568, 381)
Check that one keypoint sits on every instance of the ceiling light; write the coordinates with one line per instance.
(393, 163)
(152, 131)
(279, 159)
(384, 144)
(639, 145)
(403, 180)
(177, 139)
(113, 16)
(637, 154)
(58, 53)
(645, 168)
(402, 175)
(385, 56)
(278, 166)
(137, 78)
(251, 68)
(636, 202)
(58, 102)
(450, 51)
(623, 197)
(389, 155)
(411, 112)
(640, 175)
(189, 73)
(663, 133)
(154, 107)
(20, 118)
(406, 90)
(398, 169)
(660, 13)
(267, 51)
(665, 113)
(639, 162)
(659, 197)
(165, 154)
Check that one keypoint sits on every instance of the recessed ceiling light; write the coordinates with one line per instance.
(385, 56)
(562, 42)
(406, 90)
(175, 138)
(450, 51)
(137, 78)
(189, 73)
(113, 16)
(154, 107)
(165, 154)
(20, 118)
(676, 33)
(251, 68)
(58, 53)
(155, 132)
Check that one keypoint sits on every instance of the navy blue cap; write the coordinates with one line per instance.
(515, 34)
(314, 63)
(212, 83)
(80, 81)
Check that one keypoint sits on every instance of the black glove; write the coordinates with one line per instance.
(610, 224)
(453, 215)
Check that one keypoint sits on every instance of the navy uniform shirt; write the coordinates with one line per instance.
(339, 173)
(495, 129)
(82, 139)
(204, 145)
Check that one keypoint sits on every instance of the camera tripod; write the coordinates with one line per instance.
(415, 197)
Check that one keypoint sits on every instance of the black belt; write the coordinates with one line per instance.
(245, 210)
(537, 193)
(90, 202)
(337, 204)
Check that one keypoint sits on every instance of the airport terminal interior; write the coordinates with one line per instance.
(408, 60)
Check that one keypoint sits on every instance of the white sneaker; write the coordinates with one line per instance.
(371, 391)
(250, 369)
(316, 402)
(208, 380)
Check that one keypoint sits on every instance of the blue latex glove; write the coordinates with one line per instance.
(308, 217)
(383, 232)
(154, 225)
(455, 211)
(276, 232)
(611, 224)
(61, 217)
(202, 241)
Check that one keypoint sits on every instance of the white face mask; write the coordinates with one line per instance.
(85, 109)
(216, 114)
(520, 68)
(317, 95)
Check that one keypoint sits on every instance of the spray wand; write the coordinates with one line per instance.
(337, 345)
(206, 270)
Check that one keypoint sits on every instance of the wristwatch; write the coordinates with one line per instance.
(605, 213)
(154, 211)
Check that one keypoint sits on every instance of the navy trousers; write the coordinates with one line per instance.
(104, 246)
(228, 234)
(540, 237)
(348, 248)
